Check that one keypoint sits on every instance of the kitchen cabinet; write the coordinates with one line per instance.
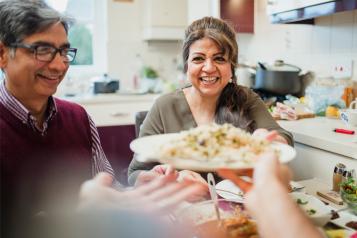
(242, 17)
(164, 19)
(304, 11)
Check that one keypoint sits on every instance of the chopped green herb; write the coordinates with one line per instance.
(301, 202)
(311, 211)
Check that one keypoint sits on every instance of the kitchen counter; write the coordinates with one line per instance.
(115, 109)
(111, 98)
(319, 148)
(318, 132)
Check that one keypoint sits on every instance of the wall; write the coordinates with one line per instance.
(125, 24)
(316, 47)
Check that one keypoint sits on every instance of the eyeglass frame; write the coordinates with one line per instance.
(33, 48)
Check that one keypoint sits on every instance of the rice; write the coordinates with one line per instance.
(222, 144)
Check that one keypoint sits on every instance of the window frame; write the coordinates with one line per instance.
(99, 38)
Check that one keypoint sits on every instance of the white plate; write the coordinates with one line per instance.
(323, 212)
(344, 217)
(228, 190)
(147, 149)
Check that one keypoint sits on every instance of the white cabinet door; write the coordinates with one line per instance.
(165, 13)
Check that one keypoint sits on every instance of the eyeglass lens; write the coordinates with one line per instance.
(48, 53)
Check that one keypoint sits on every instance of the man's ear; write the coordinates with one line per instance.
(4, 51)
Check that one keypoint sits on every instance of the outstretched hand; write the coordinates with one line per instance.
(159, 196)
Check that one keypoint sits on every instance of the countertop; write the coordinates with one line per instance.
(114, 109)
(111, 98)
(318, 132)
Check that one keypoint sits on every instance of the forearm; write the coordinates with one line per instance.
(280, 218)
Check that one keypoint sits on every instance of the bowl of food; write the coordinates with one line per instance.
(348, 191)
(234, 223)
(317, 211)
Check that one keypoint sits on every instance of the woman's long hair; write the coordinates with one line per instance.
(231, 106)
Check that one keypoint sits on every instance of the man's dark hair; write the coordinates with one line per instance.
(22, 18)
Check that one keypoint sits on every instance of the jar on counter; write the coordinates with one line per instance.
(337, 177)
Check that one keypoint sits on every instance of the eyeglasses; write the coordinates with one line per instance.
(47, 53)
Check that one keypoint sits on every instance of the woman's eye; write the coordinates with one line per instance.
(197, 59)
(220, 59)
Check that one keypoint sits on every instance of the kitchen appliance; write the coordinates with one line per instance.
(106, 85)
(280, 78)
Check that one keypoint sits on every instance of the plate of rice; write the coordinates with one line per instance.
(208, 148)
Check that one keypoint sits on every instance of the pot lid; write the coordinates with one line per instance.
(280, 65)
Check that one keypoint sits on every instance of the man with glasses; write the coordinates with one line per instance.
(48, 147)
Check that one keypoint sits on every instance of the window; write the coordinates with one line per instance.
(88, 33)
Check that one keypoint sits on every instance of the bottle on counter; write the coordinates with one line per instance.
(337, 177)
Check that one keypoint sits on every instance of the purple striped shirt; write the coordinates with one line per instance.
(100, 162)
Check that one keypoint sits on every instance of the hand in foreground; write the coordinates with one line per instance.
(267, 168)
(269, 135)
(157, 171)
(268, 201)
(159, 196)
(188, 175)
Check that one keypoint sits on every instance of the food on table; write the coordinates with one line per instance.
(348, 190)
(299, 201)
(352, 224)
(238, 226)
(221, 144)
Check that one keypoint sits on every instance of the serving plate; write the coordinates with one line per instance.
(228, 190)
(308, 202)
(148, 150)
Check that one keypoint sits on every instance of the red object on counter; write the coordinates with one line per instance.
(344, 131)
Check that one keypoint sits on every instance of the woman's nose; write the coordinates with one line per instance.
(209, 66)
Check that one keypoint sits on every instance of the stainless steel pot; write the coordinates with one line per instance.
(281, 78)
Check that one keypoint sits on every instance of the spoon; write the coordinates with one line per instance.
(213, 193)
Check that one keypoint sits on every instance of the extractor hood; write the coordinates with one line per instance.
(304, 11)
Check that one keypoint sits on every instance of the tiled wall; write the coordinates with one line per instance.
(332, 40)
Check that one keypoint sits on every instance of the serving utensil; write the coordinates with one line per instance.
(213, 193)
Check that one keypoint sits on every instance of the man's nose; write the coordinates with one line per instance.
(58, 62)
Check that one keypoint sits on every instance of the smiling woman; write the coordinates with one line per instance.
(210, 53)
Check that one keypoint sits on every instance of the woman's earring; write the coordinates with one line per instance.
(230, 80)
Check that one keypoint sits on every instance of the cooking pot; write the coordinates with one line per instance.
(280, 78)
(105, 84)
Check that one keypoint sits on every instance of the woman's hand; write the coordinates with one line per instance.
(188, 175)
(157, 171)
(269, 135)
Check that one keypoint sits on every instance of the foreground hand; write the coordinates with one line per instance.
(269, 135)
(267, 168)
(159, 196)
(188, 175)
(157, 171)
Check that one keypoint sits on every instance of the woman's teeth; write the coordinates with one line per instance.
(209, 80)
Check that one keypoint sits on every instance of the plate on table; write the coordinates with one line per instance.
(317, 211)
(148, 149)
(228, 190)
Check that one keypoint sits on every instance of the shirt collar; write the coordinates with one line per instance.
(21, 112)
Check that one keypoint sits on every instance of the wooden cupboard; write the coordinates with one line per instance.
(239, 13)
